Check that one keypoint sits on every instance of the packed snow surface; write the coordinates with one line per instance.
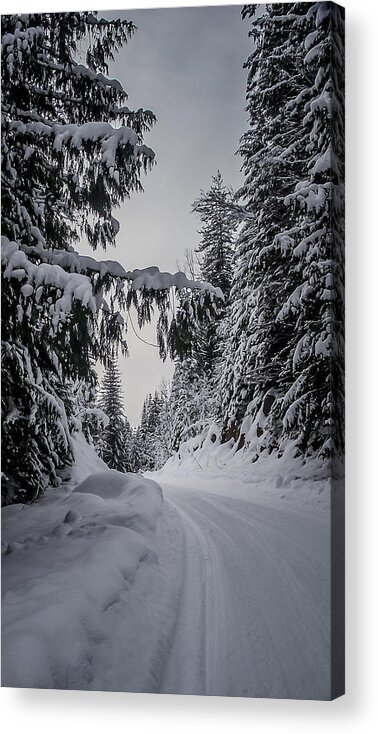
(196, 582)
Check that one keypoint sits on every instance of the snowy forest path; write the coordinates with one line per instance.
(253, 616)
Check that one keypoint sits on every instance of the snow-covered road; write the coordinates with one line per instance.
(253, 617)
(183, 584)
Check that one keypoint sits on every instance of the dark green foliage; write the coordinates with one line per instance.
(53, 190)
(216, 264)
(71, 152)
(115, 442)
(217, 234)
(152, 439)
(285, 309)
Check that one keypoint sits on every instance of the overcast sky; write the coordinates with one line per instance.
(185, 65)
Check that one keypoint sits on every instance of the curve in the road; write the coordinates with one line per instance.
(253, 616)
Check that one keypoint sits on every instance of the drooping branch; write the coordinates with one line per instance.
(151, 278)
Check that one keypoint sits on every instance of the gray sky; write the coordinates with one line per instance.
(185, 64)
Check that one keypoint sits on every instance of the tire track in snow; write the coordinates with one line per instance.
(195, 661)
(256, 586)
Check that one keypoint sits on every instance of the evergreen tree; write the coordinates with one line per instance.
(115, 444)
(217, 234)
(262, 278)
(152, 444)
(311, 410)
(85, 415)
(193, 396)
(64, 168)
(143, 458)
(71, 152)
(216, 251)
(137, 454)
(275, 305)
(163, 433)
(189, 401)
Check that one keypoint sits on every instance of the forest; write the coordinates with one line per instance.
(200, 550)
(256, 334)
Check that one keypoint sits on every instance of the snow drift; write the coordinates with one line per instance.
(71, 562)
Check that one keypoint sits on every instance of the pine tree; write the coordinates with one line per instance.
(217, 234)
(152, 442)
(281, 327)
(189, 407)
(254, 349)
(72, 151)
(163, 431)
(312, 408)
(216, 251)
(193, 396)
(115, 445)
(64, 168)
(143, 459)
(137, 454)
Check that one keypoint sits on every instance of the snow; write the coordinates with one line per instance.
(111, 139)
(302, 350)
(323, 11)
(27, 290)
(19, 37)
(86, 461)
(313, 54)
(294, 301)
(74, 286)
(82, 71)
(74, 136)
(218, 585)
(323, 163)
(308, 244)
(77, 567)
(53, 262)
(206, 458)
(324, 101)
(152, 279)
(254, 613)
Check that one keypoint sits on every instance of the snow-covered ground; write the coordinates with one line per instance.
(192, 580)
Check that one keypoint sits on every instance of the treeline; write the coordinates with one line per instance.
(72, 151)
(176, 412)
(267, 361)
(268, 368)
(122, 447)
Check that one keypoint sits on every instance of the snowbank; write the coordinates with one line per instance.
(271, 479)
(86, 461)
(77, 566)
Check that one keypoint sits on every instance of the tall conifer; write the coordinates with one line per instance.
(115, 444)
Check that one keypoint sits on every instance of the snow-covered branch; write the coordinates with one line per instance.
(66, 264)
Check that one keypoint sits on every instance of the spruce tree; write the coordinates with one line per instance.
(193, 397)
(217, 234)
(137, 455)
(282, 324)
(65, 166)
(311, 410)
(115, 444)
(163, 432)
(262, 278)
(216, 253)
(152, 443)
(189, 406)
(143, 458)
